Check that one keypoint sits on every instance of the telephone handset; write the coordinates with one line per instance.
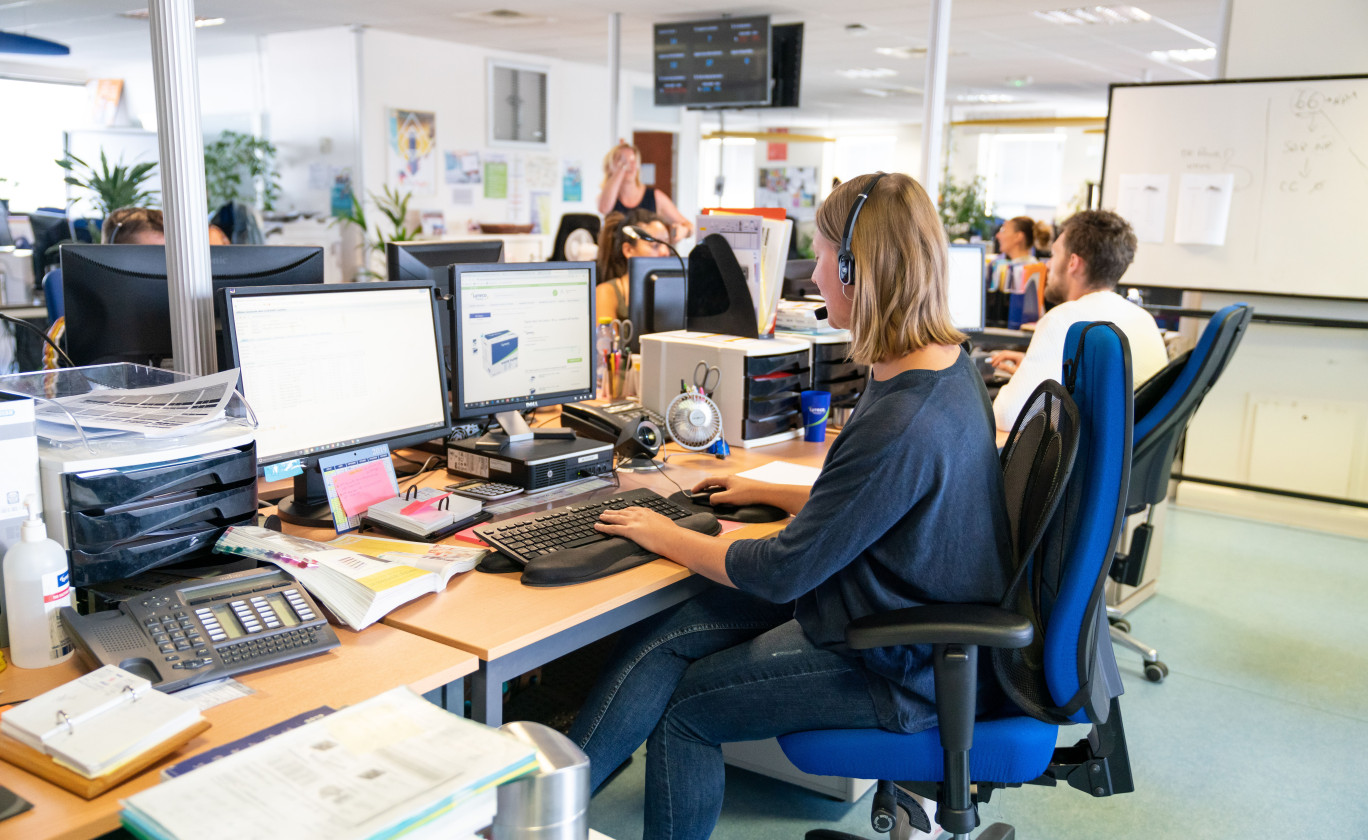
(203, 630)
(631, 427)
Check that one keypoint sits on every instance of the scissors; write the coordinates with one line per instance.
(704, 379)
(622, 332)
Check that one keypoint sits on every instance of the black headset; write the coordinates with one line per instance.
(845, 260)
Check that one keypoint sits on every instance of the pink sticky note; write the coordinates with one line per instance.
(359, 488)
(413, 508)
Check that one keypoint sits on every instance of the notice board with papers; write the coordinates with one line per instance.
(1251, 185)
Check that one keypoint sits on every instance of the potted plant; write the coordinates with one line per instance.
(963, 211)
(394, 205)
(112, 186)
(240, 167)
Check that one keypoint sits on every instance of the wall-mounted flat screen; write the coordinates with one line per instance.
(723, 63)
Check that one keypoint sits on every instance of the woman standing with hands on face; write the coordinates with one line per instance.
(623, 191)
(908, 510)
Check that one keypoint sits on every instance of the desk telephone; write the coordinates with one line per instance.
(632, 428)
(204, 630)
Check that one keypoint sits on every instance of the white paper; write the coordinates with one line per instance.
(1144, 203)
(208, 695)
(154, 412)
(1203, 209)
(783, 472)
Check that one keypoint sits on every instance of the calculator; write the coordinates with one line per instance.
(485, 491)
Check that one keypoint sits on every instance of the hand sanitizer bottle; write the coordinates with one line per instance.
(37, 584)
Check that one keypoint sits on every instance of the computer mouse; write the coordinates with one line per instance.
(735, 513)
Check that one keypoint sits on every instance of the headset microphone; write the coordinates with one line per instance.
(820, 313)
(845, 259)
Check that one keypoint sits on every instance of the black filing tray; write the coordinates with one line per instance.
(124, 521)
(773, 384)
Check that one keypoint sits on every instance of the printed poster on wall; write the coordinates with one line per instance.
(541, 211)
(413, 150)
(572, 182)
(793, 188)
(541, 172)
(463, 167)
(495, 176)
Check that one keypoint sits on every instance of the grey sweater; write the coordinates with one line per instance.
(908, 510)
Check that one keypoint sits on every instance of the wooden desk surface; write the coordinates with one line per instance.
(365, 665)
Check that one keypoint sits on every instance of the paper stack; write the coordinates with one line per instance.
(94, 724)
(357, 588)
(392, 766)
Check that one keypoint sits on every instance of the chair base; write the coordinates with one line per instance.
(1155, 671)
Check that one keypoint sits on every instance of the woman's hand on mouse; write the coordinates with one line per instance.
(734, 490)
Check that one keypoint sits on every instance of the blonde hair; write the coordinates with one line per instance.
(608, 162)
(900, 295)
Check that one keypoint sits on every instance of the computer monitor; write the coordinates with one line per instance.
(329, 369)
(524, 338)
(48, 229)
(417, 260)
(967, 290)
(657, 296)
(6, 238)
(117, 305)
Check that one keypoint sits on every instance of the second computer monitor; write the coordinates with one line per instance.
(524, 337)
(966, 290)
(657, 296)
(417, 260)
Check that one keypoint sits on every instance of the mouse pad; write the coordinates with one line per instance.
(733, 513)
(12, 804)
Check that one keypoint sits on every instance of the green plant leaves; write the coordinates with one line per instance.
(113, 186)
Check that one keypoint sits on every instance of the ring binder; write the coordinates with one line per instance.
(62, 718)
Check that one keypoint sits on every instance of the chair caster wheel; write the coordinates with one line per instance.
(1122, 625)
(1155, 671)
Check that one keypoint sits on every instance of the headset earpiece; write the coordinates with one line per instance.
(845, 260)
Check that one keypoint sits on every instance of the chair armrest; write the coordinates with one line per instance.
(947, 624)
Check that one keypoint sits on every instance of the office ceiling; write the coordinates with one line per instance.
(998, 47)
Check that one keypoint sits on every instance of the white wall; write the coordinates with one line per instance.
(450, 80)
(1081, 159)
(1290, 412)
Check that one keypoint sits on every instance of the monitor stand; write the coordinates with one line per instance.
(309, 504)
(515, 428)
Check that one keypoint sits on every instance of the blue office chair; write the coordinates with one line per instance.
(1164, 405)
(52, 295)
(1050, 647)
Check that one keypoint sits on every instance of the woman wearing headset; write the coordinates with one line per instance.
(908, 510)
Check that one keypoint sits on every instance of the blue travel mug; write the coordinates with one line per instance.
(816, 409)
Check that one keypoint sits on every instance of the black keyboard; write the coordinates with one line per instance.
(528, 537)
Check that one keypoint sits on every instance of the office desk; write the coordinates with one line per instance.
(514, 628)
(365, 665)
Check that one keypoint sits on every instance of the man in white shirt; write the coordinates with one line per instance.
(1093, 250)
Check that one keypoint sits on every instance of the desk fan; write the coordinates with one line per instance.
(580, 246)
(693, 421)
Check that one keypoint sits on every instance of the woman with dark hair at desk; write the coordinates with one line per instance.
(623, 191)
(615, 247)
(908, 510)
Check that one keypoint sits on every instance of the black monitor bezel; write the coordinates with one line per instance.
(145, 289)
(639, 269)
(689, 102)
(396, 440)
(459, 410)
(396, 251)
(981, 248)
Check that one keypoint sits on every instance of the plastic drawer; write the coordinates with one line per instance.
(772, 405)
(761, 365)
(127, 559)
(764, 427)
(97, 488)
(837, 353)
(774, 383)
(845, 388)
(98, 532)
(831, 373)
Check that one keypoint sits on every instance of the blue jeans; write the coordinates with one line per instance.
(723, 666)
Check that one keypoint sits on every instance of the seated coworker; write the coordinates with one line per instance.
(134, 226)
(615, 248)
(1094, 248)
(908, 510)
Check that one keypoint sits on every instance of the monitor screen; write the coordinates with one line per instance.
(116, 301)
(657, 296)
(713, 63)
(333, 368)
(524, 336)
(967, 289)
(416, 260)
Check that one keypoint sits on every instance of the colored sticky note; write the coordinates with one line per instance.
(362, 486)
(414, 508)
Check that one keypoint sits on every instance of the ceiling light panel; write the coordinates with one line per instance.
(867, 73)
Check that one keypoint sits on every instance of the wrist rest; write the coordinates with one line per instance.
(600, 559)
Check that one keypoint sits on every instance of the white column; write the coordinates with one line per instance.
(933, 97)
(180, 142)
(614, 76)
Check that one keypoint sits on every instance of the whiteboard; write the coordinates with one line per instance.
(1298, 153)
